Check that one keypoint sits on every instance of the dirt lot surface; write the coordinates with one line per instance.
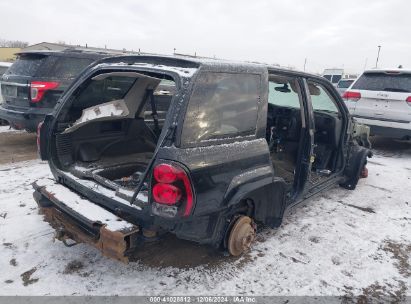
(346, 243)
(16, 146)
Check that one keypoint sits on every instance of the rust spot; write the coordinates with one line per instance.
(112, 244)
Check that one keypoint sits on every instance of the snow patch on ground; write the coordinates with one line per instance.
(4, 129)
(341, 243)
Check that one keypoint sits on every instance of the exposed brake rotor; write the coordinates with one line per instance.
(242, 235)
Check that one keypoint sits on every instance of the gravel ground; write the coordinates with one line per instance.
(341, 243)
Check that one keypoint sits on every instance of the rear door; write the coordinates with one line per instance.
(15, 83)
(384, 96)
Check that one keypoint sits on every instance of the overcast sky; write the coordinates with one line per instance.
(342, 33)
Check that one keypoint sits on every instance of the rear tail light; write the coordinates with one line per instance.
(166, 194)
(172, 187)
(38, 88)
(166, 173)
(408, 100)
(351, 96)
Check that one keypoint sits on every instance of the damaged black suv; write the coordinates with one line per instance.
(201, 148)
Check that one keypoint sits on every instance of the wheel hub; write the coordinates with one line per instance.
(242, 236)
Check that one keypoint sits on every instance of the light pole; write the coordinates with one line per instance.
(378, 56)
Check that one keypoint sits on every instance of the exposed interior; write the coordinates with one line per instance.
(110, 129)
(285, 123)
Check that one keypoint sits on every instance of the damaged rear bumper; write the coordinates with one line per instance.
(82, 221)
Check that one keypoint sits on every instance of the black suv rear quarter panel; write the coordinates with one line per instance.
(225, 172)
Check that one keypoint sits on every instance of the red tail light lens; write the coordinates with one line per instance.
(351, 96)
(408, 100)
(166, 194)
(38, 88)
(172, 186)
(165, 173)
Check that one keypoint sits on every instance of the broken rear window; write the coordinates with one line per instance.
(223, 105)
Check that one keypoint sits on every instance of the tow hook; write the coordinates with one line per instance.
(61, 235)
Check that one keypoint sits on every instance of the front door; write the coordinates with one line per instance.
(329, 126)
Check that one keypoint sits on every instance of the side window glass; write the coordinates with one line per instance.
(321, 99)
(223, 105)
(283, 93)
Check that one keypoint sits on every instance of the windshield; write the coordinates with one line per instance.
(384, 82)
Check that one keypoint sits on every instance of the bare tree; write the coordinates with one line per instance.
(13, 43)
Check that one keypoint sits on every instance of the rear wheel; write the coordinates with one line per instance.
(242, 236)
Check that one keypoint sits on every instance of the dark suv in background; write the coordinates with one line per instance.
(31, 87)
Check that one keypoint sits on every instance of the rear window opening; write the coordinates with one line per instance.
(110, 128)
(389, 82)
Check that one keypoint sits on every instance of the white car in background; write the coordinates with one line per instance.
(381, 99)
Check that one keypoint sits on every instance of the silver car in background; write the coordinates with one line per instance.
(381, 99)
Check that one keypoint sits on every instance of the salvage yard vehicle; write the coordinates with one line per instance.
(381, 99)
(140, 146)
(31, 87)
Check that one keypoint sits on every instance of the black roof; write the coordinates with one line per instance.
(206, 62)
(186, 62)
(82, 53)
